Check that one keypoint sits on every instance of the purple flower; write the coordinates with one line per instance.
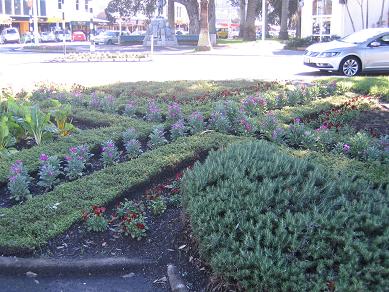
(68, 158)
(43, 157)
(73, 150)
(346, 148)
(297, 120)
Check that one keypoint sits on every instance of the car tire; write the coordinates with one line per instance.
(109, 42)
(350, 66)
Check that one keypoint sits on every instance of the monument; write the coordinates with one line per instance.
(159, 30)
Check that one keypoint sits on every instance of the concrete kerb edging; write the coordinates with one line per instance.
(177, 284)
(16, 265)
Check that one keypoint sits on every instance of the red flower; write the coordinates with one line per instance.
(140, 226)
(98, 210)
(179, 176)
(134, 215)
(175, 191)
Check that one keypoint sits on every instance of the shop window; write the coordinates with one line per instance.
(18, 7)
(43, 7)
(322, 7)
(1, 7)
(26, 9)
(77, 4)
(8, 7)
(86, 5)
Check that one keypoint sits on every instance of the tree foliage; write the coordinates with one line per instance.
(129, 8)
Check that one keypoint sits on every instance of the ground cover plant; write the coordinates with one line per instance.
(274, 222)
(127, 135)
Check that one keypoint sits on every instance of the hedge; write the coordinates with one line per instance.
(30, 225)
(273, 222)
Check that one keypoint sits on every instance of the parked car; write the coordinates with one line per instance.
(365, 50)
(78, 36)
(222, 33)
(28, 37)
(107, 38)
(10, 35)
(138, 32)
(48, 37)
(59, 36)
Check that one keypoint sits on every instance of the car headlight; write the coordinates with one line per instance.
(328, 54)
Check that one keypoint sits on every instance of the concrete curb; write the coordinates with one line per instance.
(175, 280)
(12, 265)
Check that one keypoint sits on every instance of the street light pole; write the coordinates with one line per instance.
(35, 13)
(263, 19)
(92, 47)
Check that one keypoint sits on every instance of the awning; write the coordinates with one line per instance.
(5, 20)
(54, 19)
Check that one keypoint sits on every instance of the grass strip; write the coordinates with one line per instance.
(28, 226)
(92, 137)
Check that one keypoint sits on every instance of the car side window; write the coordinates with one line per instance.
(384, 40)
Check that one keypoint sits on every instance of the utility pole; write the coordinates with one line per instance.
(35, 13)
(92, 47)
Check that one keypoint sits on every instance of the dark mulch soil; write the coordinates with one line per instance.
(168, 241)
(376, 122)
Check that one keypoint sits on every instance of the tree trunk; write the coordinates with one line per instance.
(212, 21)
(284, 20)
(298, 23)
(242, 25)
(249, 32)
(204, 43)
(192, 8)
(170, 15)
(380, 21)
(351, 18)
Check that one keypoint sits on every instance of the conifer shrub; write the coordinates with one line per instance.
(273, 222)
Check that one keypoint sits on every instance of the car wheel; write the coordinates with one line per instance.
(350, 66)
(109, 42)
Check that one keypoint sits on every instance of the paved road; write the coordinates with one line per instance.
(244, 61)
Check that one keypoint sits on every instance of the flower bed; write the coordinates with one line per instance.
(103, 57)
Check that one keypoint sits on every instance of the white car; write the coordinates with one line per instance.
(365, 50)
(10, 35)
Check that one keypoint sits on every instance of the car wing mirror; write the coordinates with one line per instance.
(375, 44)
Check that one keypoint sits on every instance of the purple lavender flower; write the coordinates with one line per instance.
(43, 157)
(346, 148)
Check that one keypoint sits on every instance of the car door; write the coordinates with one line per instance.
(377, 53)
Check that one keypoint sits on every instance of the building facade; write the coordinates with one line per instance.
(19, 14)
(325, 18)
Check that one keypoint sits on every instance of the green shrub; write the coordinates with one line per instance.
(273, 222)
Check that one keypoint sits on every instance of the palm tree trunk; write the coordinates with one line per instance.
(204, 43)
(284, 20)
(249, 32)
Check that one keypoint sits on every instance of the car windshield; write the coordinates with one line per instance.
(12, 31)
(359, 36)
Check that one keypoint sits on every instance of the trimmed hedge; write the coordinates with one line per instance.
(273, 222)
(93, 137)
(28, 226)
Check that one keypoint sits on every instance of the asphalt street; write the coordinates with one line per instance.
(256, 60)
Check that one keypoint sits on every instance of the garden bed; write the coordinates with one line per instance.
(102, 57)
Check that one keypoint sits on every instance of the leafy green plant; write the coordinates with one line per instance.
(157, 138)
(6, 139)
(131, 220)
(49, 171)
(95, 219)
(37, 123)
(157, 206)
(61, 114)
